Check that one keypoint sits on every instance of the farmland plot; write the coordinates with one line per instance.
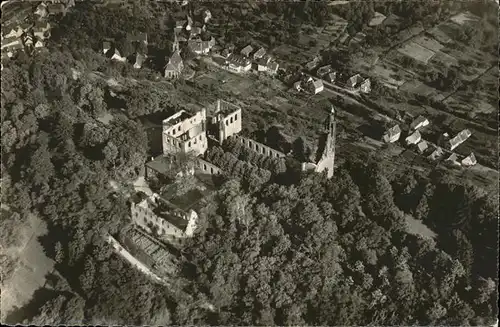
(417, 52)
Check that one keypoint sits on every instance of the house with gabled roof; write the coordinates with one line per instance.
(358, 83)
(392, 134)
(238, 63)
(246, 51)
(259, 53)
(453, 158)
(41, 10)
(41, 30)
(459, 139)
(470, 160)
(437, 153)
(331, 77)
(111, 52)
(201, 47)
(315, 86)
(413, 138)
(419, 122)
(56, 9)
(422, 146)
(310, 65)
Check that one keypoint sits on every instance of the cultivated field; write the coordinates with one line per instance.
(417, 52)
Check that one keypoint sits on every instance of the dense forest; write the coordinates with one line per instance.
(276, 247)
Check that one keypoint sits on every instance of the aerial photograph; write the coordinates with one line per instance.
(249, 162)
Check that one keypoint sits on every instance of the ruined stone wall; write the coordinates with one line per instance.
(206, 167)
(260, 148)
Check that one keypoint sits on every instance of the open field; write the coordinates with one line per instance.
(416, 51)
(428, 42)
(416, 227)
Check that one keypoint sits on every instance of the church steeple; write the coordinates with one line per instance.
(175, 44)
(330, 122)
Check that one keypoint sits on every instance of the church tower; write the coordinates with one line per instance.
(175, 44)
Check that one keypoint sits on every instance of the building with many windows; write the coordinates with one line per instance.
(185, 133)
(157, 216)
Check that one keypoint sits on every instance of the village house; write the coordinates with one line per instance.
(41, 30)
(422, 146)
(201, 47)
(246, 51)
(41, 10)
(163, 219)
(343, 38)
(469, 161)
(436, 154)
(180, 25)
(185, 133)
(315, 86)
(139, 60)
(110, 51)
(259, 53)
(357, 83)
(459, 139)
(357, 39)
(453, 159)
(238, 63)
(226, 52)
(207, 15)
(56, 9)
(12, 44)
(324, 70)
(419, 122)
(267, 64)
(312, 64)
(331, 77)
(377, 19)
(17, 31)
(297, 86)
(392, 134)
(413, 138)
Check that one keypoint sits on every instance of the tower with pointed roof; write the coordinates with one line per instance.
(325, 157)
(175, 43)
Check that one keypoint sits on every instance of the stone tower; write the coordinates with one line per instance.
(175, 43)
(326, 156)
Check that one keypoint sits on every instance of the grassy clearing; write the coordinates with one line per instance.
(416, 227)
(417, 52)
(31, 267)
